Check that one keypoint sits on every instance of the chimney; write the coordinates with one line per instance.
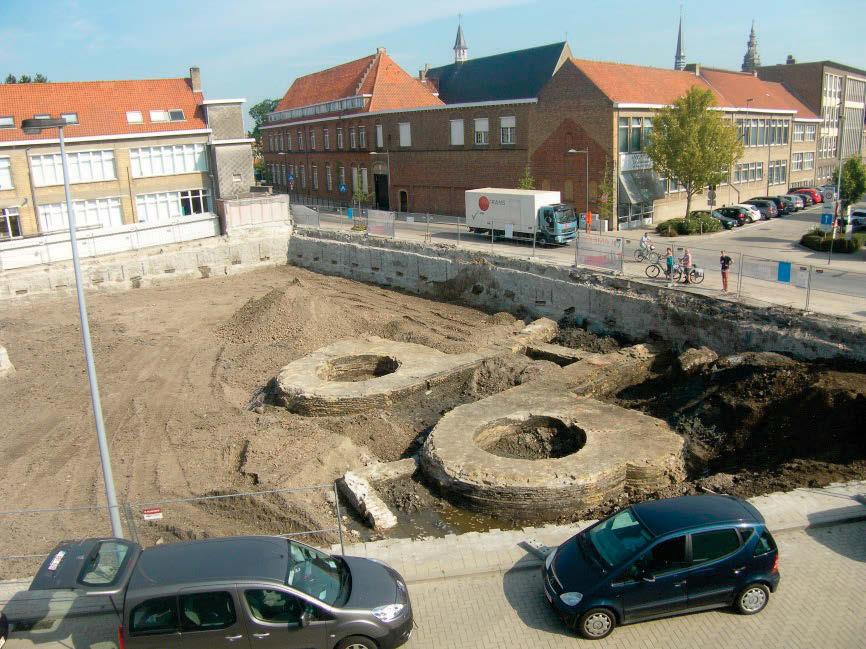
(695, 68)
(380, 50)
(195, 79)
(790, 60)
(422, 74)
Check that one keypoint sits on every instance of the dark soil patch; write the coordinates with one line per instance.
(537, 438)
(579, 338)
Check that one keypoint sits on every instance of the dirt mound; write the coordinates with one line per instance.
(579, 338)
(503, 372)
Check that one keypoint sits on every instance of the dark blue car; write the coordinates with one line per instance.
(661, 558)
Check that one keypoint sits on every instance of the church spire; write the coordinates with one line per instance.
(680, 56)
(461, 52)
(751, 59)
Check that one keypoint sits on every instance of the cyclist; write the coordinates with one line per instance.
(645, 244)
(686, 262)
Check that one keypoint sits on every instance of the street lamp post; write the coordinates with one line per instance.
(586, 196)
(31, 127)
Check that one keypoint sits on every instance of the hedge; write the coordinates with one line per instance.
(821, 241)
(702, 224)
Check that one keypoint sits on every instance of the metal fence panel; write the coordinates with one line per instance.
(380, 223)
(771, 270)
(303, 215)
(841, 282)
(599, 251)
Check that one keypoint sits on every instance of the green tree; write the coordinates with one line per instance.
(526, 180)
(853, 181)
(10, 78)
(605, 193)
(259, 113)
(692, 144)
(24, 78)
(40, 78)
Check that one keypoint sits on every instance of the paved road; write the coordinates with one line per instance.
(819, 603)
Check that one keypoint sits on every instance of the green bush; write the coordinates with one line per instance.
(818, 240)
(693, 224)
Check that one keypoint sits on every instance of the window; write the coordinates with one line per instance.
(70, 118)
(379, 136)
(363, 175)
(808, 161)
(277, 607)
(709, 546)
(303, 171)
(633, 133)
(457, 132)
(134, 117)
(355, 184)
(623, 135)
(158, 615)
(799, 132)
(507, 130)
(482, 131)
(339, 138)
(100, 212)
(666, 557)
(163, 206)
(10, 223)
(353, 143)
(619, 537)
(778, 172)
(329, 180)
(104, 567)
(159, 116)
(312, 140)
(5, 174)
(42, 116)
(315, 573)
(405, 134)
(314, 172)
(342, 175)
(7, 121)
(176, 115)
(765, 544)
(326, 138)
(300, 140)
(207, 611)
(84, 167)
(797, 162)
(168, 160)
(362, 137)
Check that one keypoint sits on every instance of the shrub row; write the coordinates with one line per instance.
(693, 224)
(821, 241)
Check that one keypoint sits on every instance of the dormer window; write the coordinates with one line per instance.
(7, 121)
(176, 115)
(42, 116)
(71, 118)
(159, 116)
(134, 117)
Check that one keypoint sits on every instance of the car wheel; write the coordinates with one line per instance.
(596, 623)
(752, 599)
(750, 219)
(356, 642)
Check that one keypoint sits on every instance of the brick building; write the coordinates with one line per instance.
(481, 122)
(138, 151)
(837, 93)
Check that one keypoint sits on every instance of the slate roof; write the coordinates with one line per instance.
(101, 106)
(513, 75)
(378, 75)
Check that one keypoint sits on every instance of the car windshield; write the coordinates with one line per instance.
(317, 574)
(619, 537)
(565, 216)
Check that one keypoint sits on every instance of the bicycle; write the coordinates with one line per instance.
(696, 275)
(655, 269)
(647, 254)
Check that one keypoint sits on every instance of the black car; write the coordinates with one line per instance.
(782, 206)
(767, 207)
(662, 558)
(740, 214)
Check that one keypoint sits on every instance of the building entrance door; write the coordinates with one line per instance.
(404, 201)
(380, 185)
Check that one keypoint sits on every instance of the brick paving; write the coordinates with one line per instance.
(819, 603)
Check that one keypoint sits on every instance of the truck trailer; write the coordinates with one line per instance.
(520, 214)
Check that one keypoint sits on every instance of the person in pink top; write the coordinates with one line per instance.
(686, 261)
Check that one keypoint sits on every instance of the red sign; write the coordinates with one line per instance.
(152, 513)
(484, 203)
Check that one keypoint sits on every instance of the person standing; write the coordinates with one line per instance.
(588, 222)
(725, 264)
(687, 266)
(670, 264)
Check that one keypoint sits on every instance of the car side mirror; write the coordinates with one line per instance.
(305, 620)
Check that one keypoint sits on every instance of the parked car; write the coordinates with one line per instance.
(791, 204)
(739, 213)
(662, 558)
(767, 208)
(213, 592)
(799, 200)
(858, 219)
(814, 194)
(807, 198)
(755, 212)
(727, 222)
(781, 206)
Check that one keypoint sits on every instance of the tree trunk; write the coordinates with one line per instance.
(688, 203)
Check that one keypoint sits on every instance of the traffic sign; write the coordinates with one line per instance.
(829, 195)
(711, 196)
(343, 188)
(290, 177)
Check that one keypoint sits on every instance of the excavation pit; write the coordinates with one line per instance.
(535, 438)
(352, 369)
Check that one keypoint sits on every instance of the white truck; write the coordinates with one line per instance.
(520, 214)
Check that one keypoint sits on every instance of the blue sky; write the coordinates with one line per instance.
(255, 49)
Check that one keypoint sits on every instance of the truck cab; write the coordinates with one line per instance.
(557, 223)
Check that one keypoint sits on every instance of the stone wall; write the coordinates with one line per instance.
(616, 305)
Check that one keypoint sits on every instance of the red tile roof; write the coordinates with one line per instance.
(637, 84)
(101, 106)
(742, 89)
(378, 75)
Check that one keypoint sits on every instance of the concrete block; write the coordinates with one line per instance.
(6, 366)
(366, 502)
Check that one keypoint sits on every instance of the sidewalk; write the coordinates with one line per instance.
(474, 553)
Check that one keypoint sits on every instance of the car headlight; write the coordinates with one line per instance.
(571, 599)
(388, 613)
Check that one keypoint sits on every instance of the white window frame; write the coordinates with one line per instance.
(7, 121)
(353, 141)
(169, 160)
(326, 138)
(797, 162)
(405, 130)
(300, 140)
(6, 174)
(340, 139)
(482, 131)
(314, 172)
(380, 136)
(312, 139)
(342, 174)
(362, 137)
(70, 118)
(156, 207)
(173, 115)
(799, 132)
(458, 132)
(363, 176)
(159, 116)
(808, 160)
(84, 167)
(508, 130)
(329, 178)
(7, 214)
(97, 212)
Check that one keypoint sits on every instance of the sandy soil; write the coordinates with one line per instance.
(178, 367)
